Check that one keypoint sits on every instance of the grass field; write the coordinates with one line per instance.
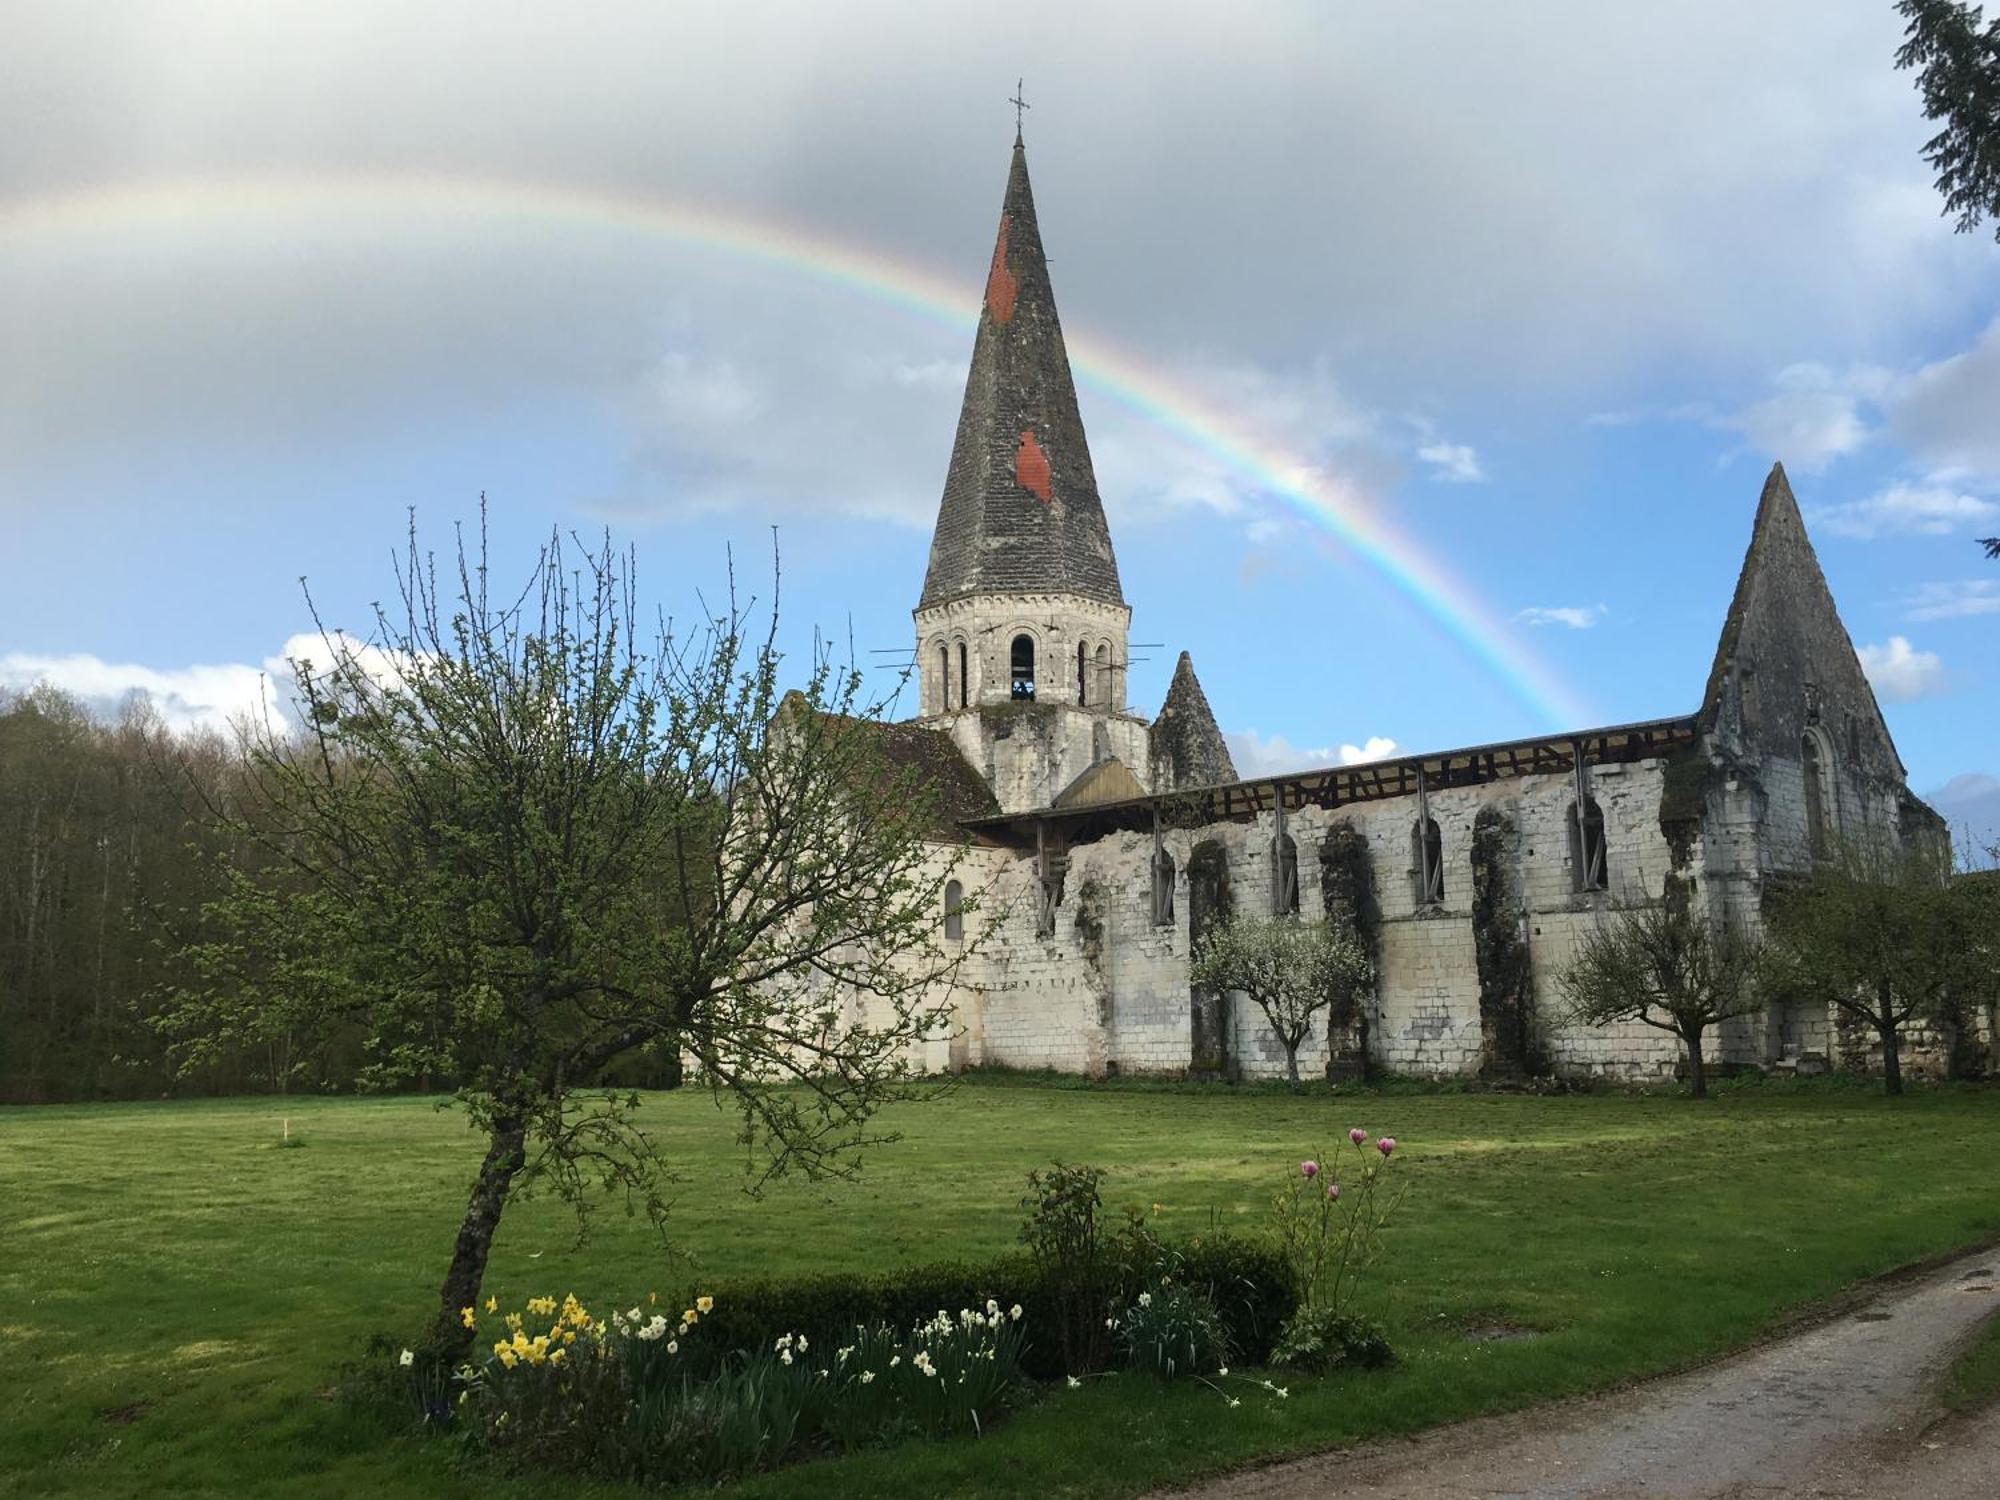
(176, 1291)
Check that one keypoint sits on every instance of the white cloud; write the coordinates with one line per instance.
(1454, 463)
(1953, 601)
(1255, 755)
(1900, 672)
(1815, 416)
(1929, 508)
(1574, 616)
(209, 696)
(1377, 748)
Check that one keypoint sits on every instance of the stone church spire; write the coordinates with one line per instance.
(1187, 748)
(1020, 512)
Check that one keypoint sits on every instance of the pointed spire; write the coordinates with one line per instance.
(1020, 512)
(1783, 636)
(1186, 747)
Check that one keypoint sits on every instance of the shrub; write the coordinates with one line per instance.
(1323, 1338)
(1247, 1281)
(1064, 1234)
(1329, 1233)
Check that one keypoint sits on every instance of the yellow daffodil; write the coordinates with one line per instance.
(514, 1321)
(465, 1316)
(493, 1304)
(704, 1304)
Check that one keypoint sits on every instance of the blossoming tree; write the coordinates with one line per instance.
(520, 839)
(1290, 968)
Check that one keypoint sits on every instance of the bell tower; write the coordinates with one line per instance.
(1022, 629)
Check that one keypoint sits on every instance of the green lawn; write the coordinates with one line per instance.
(176, 1291)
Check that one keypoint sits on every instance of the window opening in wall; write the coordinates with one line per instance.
(1103, 672)
(1285, 891)
(1163, 888)
(1082, 682)
(1023, 656)
(1588, 859)
(944, 678)
(1427, 861)
(1819, 818)
(954, 910)
(1051, 865)
(964, 677)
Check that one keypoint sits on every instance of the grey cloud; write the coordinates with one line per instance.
(1375, 187)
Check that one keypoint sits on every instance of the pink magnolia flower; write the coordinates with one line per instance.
(1357, 1135)
(1386, 1144)
(1333, 1192)
(1309, 1168)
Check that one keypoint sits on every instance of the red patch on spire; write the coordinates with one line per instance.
(1001, 287)
(1031, 468)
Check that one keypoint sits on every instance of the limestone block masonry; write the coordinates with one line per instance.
(1095, 842)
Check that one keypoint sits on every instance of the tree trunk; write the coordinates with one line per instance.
(1697, 1074)
(1292, 1062)
(506, 1154)
(1892, 1059)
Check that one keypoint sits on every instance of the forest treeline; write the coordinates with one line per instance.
(114, 837)
(108, 845)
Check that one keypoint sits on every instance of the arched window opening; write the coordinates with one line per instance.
(1103, 672)
(1082, 682)
(964, 677)
(944, 678)
(1427, 862)
(1589, 862)
(1163, 888)
(954, 910)
(1285, 886)
(1023, 655)
(1819, 787)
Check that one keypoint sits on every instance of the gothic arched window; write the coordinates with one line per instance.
(1103, 672)
(954, 910)
(964, 677)
(1082, 681)
(1023, 661)
(1427, 862)
(944, 677)
(1163, 889)
(1590, 864)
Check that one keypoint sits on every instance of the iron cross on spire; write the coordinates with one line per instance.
(1019, 104)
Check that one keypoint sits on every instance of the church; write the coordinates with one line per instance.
(1099, 843)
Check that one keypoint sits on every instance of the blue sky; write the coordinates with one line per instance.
(1550, 290)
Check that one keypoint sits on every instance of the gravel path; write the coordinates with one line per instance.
(1839, 1410)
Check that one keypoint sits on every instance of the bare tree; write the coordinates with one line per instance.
(516, 843)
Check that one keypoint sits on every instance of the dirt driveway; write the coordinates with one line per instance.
(1842, 1409)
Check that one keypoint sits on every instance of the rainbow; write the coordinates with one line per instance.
(1189, 418)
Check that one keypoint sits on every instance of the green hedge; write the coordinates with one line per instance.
(1247, 1279)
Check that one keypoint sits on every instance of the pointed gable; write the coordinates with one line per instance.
(1186, 747)
(1785, 662)
(1020, 512)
